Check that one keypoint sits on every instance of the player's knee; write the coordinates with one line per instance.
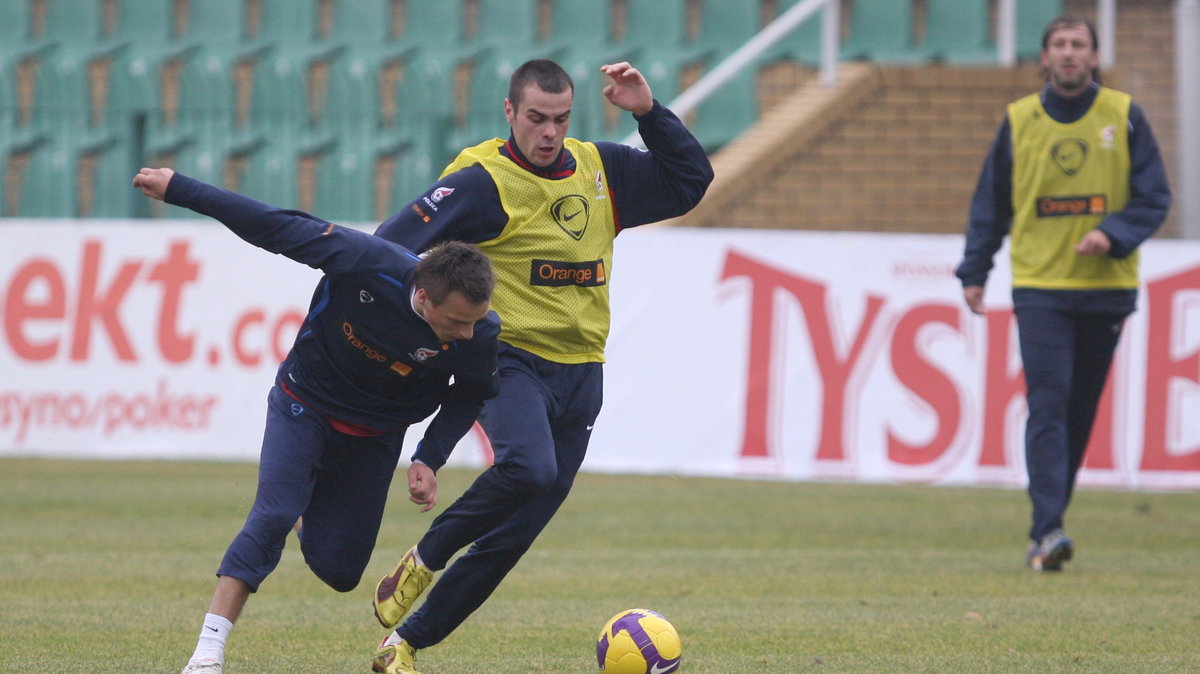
(340, 579)
(533, 480)
(339, 569)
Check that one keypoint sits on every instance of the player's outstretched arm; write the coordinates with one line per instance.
(153, 182)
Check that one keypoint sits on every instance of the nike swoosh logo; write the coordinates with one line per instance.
(591, 426)
(211, 628)
(663, 667)
(571, 217)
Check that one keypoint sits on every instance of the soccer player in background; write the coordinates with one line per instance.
(385, 334)
(545, 209)
(1076, 175)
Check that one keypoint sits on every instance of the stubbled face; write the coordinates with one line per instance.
(453, 319)
(539, 123)
(1069, 58)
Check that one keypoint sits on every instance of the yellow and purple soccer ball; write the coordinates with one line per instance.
(638, 641)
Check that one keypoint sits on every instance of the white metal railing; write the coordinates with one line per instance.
(1187, 102)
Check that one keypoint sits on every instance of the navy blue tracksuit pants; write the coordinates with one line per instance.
(539, 426)
(1066, 356)
(338, 482)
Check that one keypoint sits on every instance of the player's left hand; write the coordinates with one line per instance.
(422, 486)
(153, 182)
(1094, 242)
(629, 89)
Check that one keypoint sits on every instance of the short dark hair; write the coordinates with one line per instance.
(1066, 21)
(544, 73)
(455, 266)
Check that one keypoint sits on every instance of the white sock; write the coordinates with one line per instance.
(392, 639)
(417, 557)
(211, 643)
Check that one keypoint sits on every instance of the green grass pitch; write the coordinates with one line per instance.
(108, 567)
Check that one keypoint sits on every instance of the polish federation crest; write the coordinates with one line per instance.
(1107, 137)
(440, 193)
(423, 354)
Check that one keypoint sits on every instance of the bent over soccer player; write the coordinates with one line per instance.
(545, 208)
(385, 333)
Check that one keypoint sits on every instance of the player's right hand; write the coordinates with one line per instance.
(974, 298)
(153, 182)
(422, 486)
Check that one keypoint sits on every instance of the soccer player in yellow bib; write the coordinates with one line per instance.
(545, 209)
(1075, 177)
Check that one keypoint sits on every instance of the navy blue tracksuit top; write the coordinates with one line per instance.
(363, 356)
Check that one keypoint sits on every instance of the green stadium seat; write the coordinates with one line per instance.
(149, 21)
(511, 38)
(113, 165)
(8, 128)
(272, 172)
(64, 131)
(17, 41)
(272, 168)
(658, 31)
(292, 29)
(726, 25)
(487, 89)
(292, 21)
(282, 82)
(956, 31)
(219, 28)
(881, 30)
(507, 22)
(146, 30)
(429, 48)
(584, 23)
(352, 113)
(353, 110)
(366, 27)
(438, 25)
(76, 26)
(47, 183)
(216, 21)
(363, 22)
(204, 132)
(1032, 18)
(17, 138)
(584, 30)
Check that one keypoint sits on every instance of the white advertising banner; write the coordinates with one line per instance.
(788, 355)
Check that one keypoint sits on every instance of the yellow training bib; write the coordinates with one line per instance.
(554, 257)
(1066, 178)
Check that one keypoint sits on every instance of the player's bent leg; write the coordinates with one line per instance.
(341, 522)
(472, 578)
